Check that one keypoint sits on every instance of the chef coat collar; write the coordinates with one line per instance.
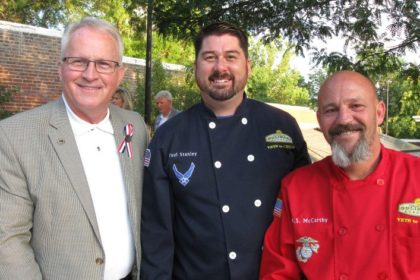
(241, 110)
(338, 174)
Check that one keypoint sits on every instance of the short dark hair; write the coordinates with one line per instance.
(220, 28)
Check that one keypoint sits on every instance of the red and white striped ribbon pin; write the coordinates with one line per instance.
(126, 142)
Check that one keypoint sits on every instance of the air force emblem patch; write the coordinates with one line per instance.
(184, 179)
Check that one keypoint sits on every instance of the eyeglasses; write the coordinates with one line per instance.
(81, 64)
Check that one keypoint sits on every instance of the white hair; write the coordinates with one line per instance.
(94, 23)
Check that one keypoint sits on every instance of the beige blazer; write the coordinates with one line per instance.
(48, 228)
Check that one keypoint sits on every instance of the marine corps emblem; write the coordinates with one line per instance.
(309, 246)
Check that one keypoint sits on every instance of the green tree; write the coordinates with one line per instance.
(298, 21)
(180, 84)
(405, 103)
(272, 79)
(167, 49)
(44, 13)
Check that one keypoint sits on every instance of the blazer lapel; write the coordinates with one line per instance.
(64, 143)
(130, 169)
(118, 123)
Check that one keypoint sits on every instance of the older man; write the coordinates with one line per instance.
(70, 171)
(164, 104)
(354, 215)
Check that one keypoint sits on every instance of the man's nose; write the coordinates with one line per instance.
(344, 116)
(220, 64)
(90, 71)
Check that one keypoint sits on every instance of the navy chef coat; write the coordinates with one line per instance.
(209, 190)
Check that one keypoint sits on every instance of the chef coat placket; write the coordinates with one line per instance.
(223, 135)
(210, 189)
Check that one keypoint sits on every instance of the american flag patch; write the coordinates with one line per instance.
(147, 156)
(277, 208)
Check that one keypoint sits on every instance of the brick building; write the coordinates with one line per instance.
(28, 66)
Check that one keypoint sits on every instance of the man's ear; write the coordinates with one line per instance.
(121, 73)
(380, 112)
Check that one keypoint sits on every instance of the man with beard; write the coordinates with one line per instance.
(354, 215)
(214, 170)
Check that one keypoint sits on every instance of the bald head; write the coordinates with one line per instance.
(348, 81)
(349, 113)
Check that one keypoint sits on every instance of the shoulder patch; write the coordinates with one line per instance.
(147, 156)
(279, 140)
(277, 208)
(278, 137)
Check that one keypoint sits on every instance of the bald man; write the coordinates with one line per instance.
(356, 213)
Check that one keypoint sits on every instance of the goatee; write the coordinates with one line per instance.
(222, 94)
(340, 156)
(343, 159)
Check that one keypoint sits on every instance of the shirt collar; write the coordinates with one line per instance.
(80, 126)
(240, 111)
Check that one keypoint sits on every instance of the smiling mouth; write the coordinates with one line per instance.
(220, 81)
(220, 78)
(345, 130)
(89, 87)
(345, 134)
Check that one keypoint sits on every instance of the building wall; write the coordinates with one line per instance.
(28, 66)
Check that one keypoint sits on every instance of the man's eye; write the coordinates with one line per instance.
(329, 111)
(357, 106)
(78, 62)
(104, 64)
(209, 58)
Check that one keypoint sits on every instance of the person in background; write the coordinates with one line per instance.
(212, 173)
(164, 104)
(352, 215)
(71, 171)
(122, 99)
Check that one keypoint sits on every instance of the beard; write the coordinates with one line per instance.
(360, 152)
(222, 94)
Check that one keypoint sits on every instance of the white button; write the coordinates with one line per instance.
(225, 208)
(250, 158)
(244, 121)
(218, 164)
(212, 125)
(257, 203)
(232, 255)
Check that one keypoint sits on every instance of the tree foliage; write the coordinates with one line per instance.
(272, 79)
(44, 13)
(359, 22)
(299, 22)
(404, 103)
(181, 84)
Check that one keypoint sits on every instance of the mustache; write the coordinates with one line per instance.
(345, 128)
(217, 75)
